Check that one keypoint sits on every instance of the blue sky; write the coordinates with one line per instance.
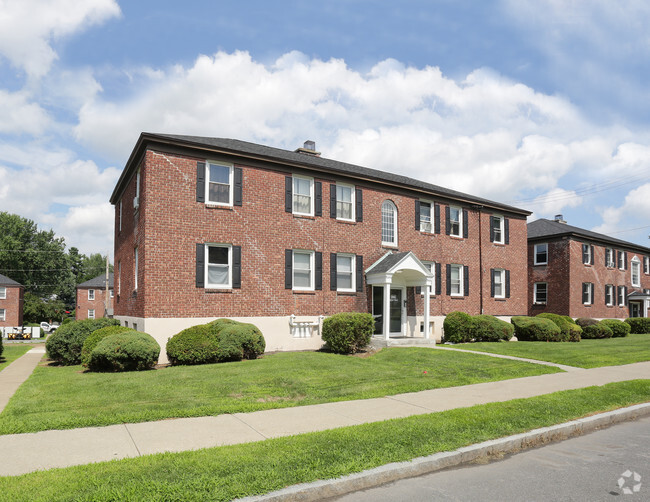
(541, 104)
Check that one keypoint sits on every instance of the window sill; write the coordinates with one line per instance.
(459, 237)
(540, 264)
(218, 206)
(502, 244)
(346, 222)
(389, 246)
(457, 297)
(218, 290)
(539, 304)
(346, 293)
(303, 292)
(500, 299)
(304, 216)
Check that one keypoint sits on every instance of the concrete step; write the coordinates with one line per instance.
(407, 341)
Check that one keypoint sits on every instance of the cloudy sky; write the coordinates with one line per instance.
(543, 104)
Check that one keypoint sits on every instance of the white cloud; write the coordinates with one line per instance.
(19, 116)
(89, 227)
(28, 28)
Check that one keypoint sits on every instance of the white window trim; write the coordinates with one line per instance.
(135, 269)
(461, 284)
(621, 296)
(589, 298)
(502, 273)
(353, 272)
(646, 265)
(621, 260)
(352, 198)
(91, 294)
(431, 216)
(535, 288)
(394, 210)
(91, 313)
(535, 262)
(311, 254)
(3, 314)
(207, 263)
(611, 290)
(460, 221)
(3, 293)
(635, 263)
(590, 259)
(609, 253)
(311, 195)
(501, 229)
(431, 265)
(231, 183)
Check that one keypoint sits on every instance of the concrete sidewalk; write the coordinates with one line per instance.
(17, 372)
(24, 453)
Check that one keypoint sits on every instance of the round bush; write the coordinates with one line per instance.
(95, 337)
(639, 324)
(194, 345)
(619, 329)
(128, 351)
(458, 327)
(597, 330)
(219, 324)
(537, 329)
(66, 343)
(586, 321)
(348, 332)
(487, 328)
(243, 338)
(569, 329)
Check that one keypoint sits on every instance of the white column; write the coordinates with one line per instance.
(386, 311)
(427, 302)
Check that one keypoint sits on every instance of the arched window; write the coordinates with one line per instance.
(388, 224)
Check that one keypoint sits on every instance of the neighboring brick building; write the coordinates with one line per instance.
(209, 227)
(91, 298)
(11, 302)
(579, 273)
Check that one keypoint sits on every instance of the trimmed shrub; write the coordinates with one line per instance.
(639, 324)
(458, 327)
(67, 320)
(127, 351)
(242, 338)
(348, 332)
(569, 329)
(2, 348)
(586, 321)
(194, 345)
(219, 324)
(66, 343)
(598, 330)
(487, 328)
(537, 329)
(95, 337)
(619, 329)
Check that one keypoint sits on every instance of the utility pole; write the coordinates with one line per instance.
(106, 296)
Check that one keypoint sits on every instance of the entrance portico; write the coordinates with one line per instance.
(389, 277)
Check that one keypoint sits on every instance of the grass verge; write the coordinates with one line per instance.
(229, 472)
(65, 397)
(586, 354)
(12, 352)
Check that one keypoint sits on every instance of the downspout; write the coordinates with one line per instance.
(480, 256)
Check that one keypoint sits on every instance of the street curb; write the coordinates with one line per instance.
(320, 490)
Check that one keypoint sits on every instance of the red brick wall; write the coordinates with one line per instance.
(84, 304)
(170, 223)
(13, 305)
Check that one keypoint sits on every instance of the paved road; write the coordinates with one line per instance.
(580, 469)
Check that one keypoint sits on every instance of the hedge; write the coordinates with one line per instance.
(66, 343)
(598, 330)
(569, 328)
(537, 329)
(127, 351)
(95, 337)
(639, 324)
(487, 328)
(458, 327)
(586, 321)
(194, 345)
(619, 328)
(348, 332)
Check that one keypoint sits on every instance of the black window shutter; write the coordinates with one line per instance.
(492, 282)
(617, 257)
(417, 215)
(318, 199)
(359, 260)
(591, 289)
(507, 283)
(436, 215)
(465, 223)
(200, 182)
(200, 266)
(606, 293)
(288, 269)
(466, 280)
(358, 200)
(625, 260)
(447, 223)
(585, 257)
(606, 252)
(592, 255)
(236, 267)
(492, 230)
(438, 279)
(318, 272)
(585, 294)
(618, 294)
(448, 280)
(506, 228)
(288, 194)
(332, 271)
(332, 201)
(239, 182)
(625, 294)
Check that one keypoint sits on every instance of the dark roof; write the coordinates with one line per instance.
(297, 159)
(388, 262)
(543, 228)
(5, 281)
(98, 282)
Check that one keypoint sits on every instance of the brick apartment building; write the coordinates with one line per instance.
(576, 272)
(210, 227)
(11, 302)
(91, 296)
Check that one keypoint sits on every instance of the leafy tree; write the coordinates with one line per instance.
(37, 309)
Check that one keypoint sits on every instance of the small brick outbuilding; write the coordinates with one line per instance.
(11, 302)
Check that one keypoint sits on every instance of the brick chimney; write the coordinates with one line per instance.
(308, 148)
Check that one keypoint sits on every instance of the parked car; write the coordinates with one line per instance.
(49, 328)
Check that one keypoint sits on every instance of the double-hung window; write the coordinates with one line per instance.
(3, 315)
(609, 258)
(622, 259)
(345, 272)
(541, 254)
(609, 294)
(3, 293)
(499, 283)
(587, 293)
(345, 202)
(425, 217)
(587, 254)
(497, 230)
(219, 184)
(91, 294)
(646, 265)
(621, 296)
(455, 221)
(303, 270)
(388, 224)
(540, 293)
(303, 195)
(218, 266)
(635, 272)
(91, 313)
(456, 277)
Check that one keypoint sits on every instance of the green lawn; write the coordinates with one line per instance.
(229, 472)
(57, 397)
(585, 354)
(12, 351)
